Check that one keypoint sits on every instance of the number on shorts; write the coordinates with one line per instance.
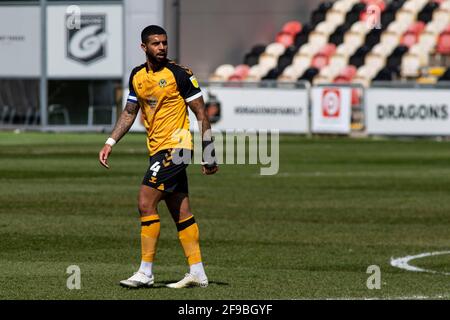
(155, 168)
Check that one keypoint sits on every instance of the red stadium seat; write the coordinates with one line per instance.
(285, 39)
(328, 50)
(292, 27)
(242, 70)
(443, 45)
(379, 3)
(409, 39)
(319, 61)
(348, 72)
(341, 79)
(235, 78)
(417, 27)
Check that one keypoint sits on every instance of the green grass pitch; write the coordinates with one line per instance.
(337, 206)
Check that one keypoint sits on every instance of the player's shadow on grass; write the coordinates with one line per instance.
(162, 284)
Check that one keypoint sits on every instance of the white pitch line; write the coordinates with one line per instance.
(403, 263)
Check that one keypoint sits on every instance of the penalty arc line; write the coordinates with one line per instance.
(403, 263)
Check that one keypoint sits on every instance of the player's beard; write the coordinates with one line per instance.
(157, 60)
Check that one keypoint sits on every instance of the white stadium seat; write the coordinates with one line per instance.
(410, 66)
(428, 41)
(339, 60)
(224, 71)
(267, 61)
(255, 73)
(275, 49)
(346, 49)
(325, 27)
(398, 27)
(336, 17)
(383, 49)
(318, 39)
(330, 71)
(302, 60)
(376, 61)
(322, 79)
(441, 18)
(353, 39)
(390, 38)
(405, 16)
(310, 49)
(422, 53)
(367, 71)
(360, 27)
(342, 6)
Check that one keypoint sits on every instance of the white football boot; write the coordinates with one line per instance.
(189, 280)
(138, 280)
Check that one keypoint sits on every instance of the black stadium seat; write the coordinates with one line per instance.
(358, 58)
(320, 13)
(337, 37)
(258, 49)
(273, 74)
(395, 59)
(372, 38)
(309, 74)
(284, 61)
(387, 74)
(388, 14)
(426, 14)
(302, 37)
(252, 57)
(353, 15)
(445, 76)
(287, 56)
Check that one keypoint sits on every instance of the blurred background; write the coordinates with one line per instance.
(64, 65)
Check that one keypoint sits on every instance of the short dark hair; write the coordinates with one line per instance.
(151, 30)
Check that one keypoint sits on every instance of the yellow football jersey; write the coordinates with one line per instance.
(162, 96)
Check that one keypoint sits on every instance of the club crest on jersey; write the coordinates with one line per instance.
(162, 83)
(153, 101)
(194, 81)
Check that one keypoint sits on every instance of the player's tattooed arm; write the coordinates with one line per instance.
(125, 121)
(122, 126)
(198, 107)
(209, 155)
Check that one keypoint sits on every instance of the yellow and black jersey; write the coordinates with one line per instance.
(162, 96)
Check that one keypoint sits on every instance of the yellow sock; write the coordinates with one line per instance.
(150, 227)
(189, 237)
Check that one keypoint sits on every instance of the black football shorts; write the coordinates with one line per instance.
(165, 175)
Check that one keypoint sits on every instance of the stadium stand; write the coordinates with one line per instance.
(355, 41)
